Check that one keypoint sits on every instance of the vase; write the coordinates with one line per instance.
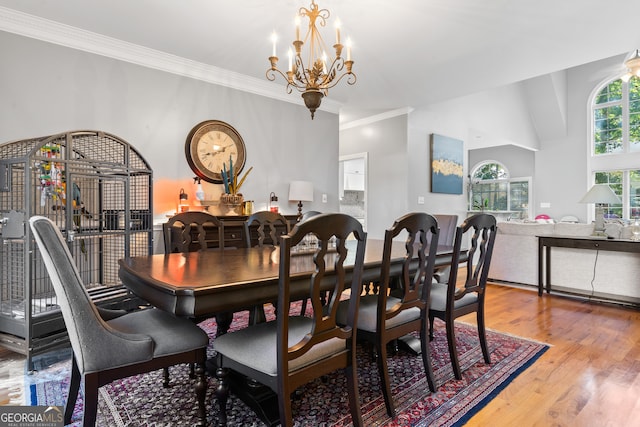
(233, 202)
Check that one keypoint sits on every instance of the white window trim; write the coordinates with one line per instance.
(621, 161)
(508, 179)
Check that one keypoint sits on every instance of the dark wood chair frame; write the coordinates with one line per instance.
(180, 229)
(411, 287)
(323, 326)
(267, 222)
(179, 232)
(482, 233)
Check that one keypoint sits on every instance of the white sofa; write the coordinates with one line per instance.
(601, 274)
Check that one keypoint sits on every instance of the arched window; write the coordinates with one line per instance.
(492, 189)
(615, 143)
(616, 117)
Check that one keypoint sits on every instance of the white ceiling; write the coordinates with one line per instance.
(407, 53)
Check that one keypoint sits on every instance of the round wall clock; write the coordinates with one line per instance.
(210, 146)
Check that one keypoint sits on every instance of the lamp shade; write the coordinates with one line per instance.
(301, 191)
(601, 193)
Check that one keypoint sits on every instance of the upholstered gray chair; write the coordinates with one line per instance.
(387, 316)
(126, 345)
(450, 300)
(293, 350)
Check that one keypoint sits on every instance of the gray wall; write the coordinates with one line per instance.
(538, 128)
(385, 142)
(47, 89)
(562, 164)
(519, 161)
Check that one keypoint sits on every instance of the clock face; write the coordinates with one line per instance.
(211, 147)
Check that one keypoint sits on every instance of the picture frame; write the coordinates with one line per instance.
(447, 164)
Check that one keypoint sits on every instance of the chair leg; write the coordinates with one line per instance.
(426, 358)
(383, 371)
(284, 408)
(431, 319)
(483, 336)
(351, 373)
(165, 377)
(72, 395)
(90, 400)
(222, 393)
(453, 352)
(201, 393)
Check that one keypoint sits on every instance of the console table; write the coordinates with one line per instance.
(575, 242)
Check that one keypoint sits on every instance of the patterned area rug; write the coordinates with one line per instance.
(142, 401)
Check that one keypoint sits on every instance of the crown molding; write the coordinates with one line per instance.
(27, 25)
(376, 118)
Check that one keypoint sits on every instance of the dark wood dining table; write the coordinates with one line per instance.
(216, 283)
(205, 283)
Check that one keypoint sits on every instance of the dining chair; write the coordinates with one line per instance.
(268, 224)
(447, 225)
(401, 304)
(285, 353)
(114, 346)
(180, 230)
(189, 232)
(450, 300)
(305, 216)
(309, 214)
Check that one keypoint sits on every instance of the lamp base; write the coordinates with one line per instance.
(598, 229)
(299, 211)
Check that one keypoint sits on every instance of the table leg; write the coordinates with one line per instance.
(540, 267)
(223, 320)
(548, 270)
(260, 398)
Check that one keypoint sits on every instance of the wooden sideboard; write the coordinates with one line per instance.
(234, 236)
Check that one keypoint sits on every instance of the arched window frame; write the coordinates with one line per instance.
(502, 195)
(618, 167)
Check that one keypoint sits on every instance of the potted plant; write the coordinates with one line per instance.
(232, 195)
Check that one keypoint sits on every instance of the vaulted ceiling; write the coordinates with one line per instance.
(407, 53)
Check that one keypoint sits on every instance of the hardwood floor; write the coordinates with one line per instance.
(589, 377)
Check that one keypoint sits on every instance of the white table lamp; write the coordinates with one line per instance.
(300, 191)
(600, 194)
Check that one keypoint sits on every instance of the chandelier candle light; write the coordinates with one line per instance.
(316, 77)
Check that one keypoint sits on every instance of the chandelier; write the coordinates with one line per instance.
(633, 66)
(320, 73)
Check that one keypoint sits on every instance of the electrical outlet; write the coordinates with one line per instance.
(545, 204)
(421, 200)
(324, 198)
